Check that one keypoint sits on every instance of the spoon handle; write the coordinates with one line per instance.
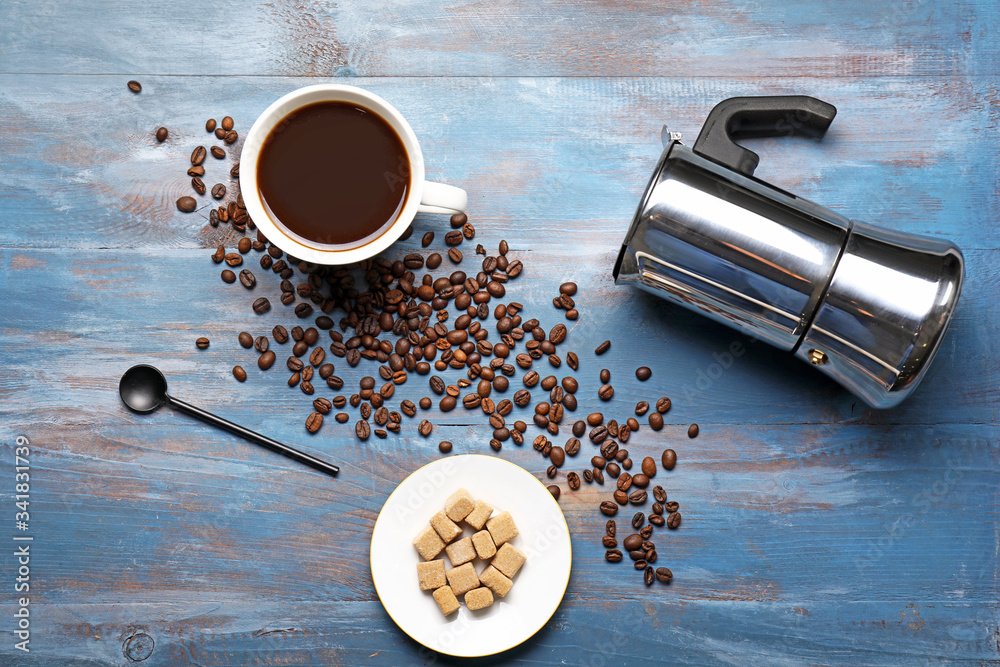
(255, 437)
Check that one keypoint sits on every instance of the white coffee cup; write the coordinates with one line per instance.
(422, 196)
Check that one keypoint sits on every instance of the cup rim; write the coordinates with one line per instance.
(293, 101)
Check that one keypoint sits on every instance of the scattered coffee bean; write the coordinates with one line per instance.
(266, 360)
(693, 431)
(554, 490)
(572, 360)
(218, 191)
(314, 421)
(239, 373)
(663, 405)
(227, 123)
(606, 392)
(187, 204)
(603, 347)
(659, 494)
(261, 305)
(643, 373)
(613, 556)
(135, 86)
(362, 429)
(605, 376)
(655, 421)
(231, 137)
(202, 343)
(248, 279)
(664, 574)
(261, 344)
(161, 134)
(648, 466)
(573, 480)
(657, 520)
(638, 519)
(210, 125)
(608, 508)
(228, 276)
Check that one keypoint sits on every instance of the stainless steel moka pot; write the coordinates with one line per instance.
(866, 306)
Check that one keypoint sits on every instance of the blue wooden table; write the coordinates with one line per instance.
(815, 530)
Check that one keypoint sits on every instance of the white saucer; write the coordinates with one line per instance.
(538, 587)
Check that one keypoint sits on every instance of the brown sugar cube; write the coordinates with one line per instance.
(479, 514)
(495, 580)
(445, 527)
(431, 575)
(427, 543)
(480, 598)
(460, 552)
(502, 528)
(462, 579)
(484, 544)
(508, 560)
(458, 505)
(446, 600)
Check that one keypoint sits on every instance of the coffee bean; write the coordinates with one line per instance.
(655, 421)
(455, 255)
(245, 339)
(609, 449)
(427, 239)
(444, 446)
(261, 344)
(198, 170)
(248, 279)
(569, 289)
(632, 542)
(134, 86)
(647, 576)
(425, 428)
(459, 219)
(218, 191)
(608, 508)
(453, 238)
(362, 429)
(641, 480)
(638, 519)
(572, 447)
(674, 520)
(659, 494)
(217, 152)
(210, 125)
(605, 376)
(606, 392)
(266, 360)
(664, 574)
(572, 360)
(554, 490)
(228, 276)
(202, 343)
(637, 497)
(187, 204)
(227, 123)
(613, 556)
(598, 475)
(303, 310)
(603, 347)
(598, 434)
(468, 231)
(234, 259)
(624, 482)
(573, 480)
(239, 373)
(198, 155)
(657, 520)
(693, 431)
(609, 542)
(280, 334)
(620, 496)
(235, 172)
(648, 467)
(643, 373)
(231, 137)
(314, 421)
(558, 334)
(641, 408)
(663, 405)
(261, 305)
(671, 506)
(161, 134)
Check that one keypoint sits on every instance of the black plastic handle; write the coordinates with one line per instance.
(254, 437)
(769, 116)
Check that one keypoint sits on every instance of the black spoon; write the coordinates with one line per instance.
(144, 389)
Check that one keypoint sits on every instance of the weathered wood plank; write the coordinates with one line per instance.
(516, 38)
(94, 313)
(537, 156)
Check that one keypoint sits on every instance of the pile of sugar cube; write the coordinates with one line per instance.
(491, 543)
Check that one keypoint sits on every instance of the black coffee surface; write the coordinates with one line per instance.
(334, 173)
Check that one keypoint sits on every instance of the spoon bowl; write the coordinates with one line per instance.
(143, 388)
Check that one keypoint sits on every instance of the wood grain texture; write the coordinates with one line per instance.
(816, 531)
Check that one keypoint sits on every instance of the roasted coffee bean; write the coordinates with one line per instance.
(239, 373)
(261, 344)
(427, 239)
(579, 428)
(557, 334)
(218, 191)
(648, 467)
(444, 446)
(603, 347)
(668, 459)
(453, 238)
(606, 392)
(638, 519)
(220, 254)
(280, 334)
(624, 482)
(572, 360)
(655, 421)
(248, 279)
(551, 472)
(693, 431)
(671, 506)
(570, 384)
(609, 542)
(234, 259)
(425, 428)
(646, 532)
(198, 155)
(522, 397)
(663, 405)
(572, 447)
(294, 364)
(643, 373)
(595, 418)
(554, 490)
(613, 470)
(624, 433)
(161, 134)
(569, 289)
(303, 310)
(598, 434)
(245, 339)
(198, 170)
(598, 475)
(573, 480)
(612, 428)
(641, 408)
(362, 429)
(187, 204)
(620, 497)
(647, 576)
(266, 360)
(314, 421)
(448, 403)
(530, 378)
(244, 245)
(468, 231)
(609, 449)
(231, 137)
(322, 405)
(455, 255)
(637, 497)
(659, 494)
(261, 306)
(217, 152)
(202, 343)
(673, 520)
(613, 556)
(588, 476)
(632, 543)
(640, 480)
(664, 575)
(134, 86)
(605, 376)
(657, 520)
(227, 123)
(609, 508)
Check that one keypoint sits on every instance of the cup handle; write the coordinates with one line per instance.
(441, 198)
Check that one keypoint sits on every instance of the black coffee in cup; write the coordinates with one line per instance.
(333, 173)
